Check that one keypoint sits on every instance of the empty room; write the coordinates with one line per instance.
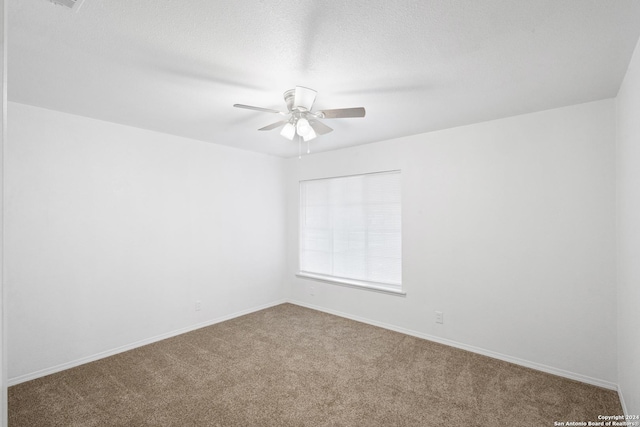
(320, 213)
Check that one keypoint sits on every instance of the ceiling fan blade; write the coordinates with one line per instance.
(342, 113)
(274, 125)
(304, 97)
(264, 110)
(319, 127)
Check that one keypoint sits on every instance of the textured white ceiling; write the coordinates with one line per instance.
(179, 66)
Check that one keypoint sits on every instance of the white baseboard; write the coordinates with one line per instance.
(533, 365)
(103, 354)
(621, 397)
(473, 349)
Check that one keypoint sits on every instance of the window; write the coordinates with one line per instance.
(351, 230)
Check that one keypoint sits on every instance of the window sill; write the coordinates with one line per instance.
(352, 283)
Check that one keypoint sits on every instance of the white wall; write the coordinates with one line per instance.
(508, 228)
(113, 233)
(628, 235)
(3, 116)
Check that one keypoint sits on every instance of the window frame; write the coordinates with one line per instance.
(392, 289)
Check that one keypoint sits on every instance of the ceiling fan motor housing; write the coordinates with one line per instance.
(289, 97)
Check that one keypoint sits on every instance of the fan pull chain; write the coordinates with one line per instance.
(299, 148)
(308, 150)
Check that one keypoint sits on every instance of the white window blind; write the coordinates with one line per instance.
(351, 228)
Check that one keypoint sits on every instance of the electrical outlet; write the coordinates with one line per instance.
(312, 290)
(198, 305)
(439, 317)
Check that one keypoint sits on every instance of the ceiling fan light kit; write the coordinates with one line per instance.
(301, 120)
(288, 131)
(304, 129)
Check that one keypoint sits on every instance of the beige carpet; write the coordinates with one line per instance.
(291, 366)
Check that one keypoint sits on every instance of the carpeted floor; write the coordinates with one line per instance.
(291, 366)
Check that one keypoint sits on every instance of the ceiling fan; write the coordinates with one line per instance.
(300, 119)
